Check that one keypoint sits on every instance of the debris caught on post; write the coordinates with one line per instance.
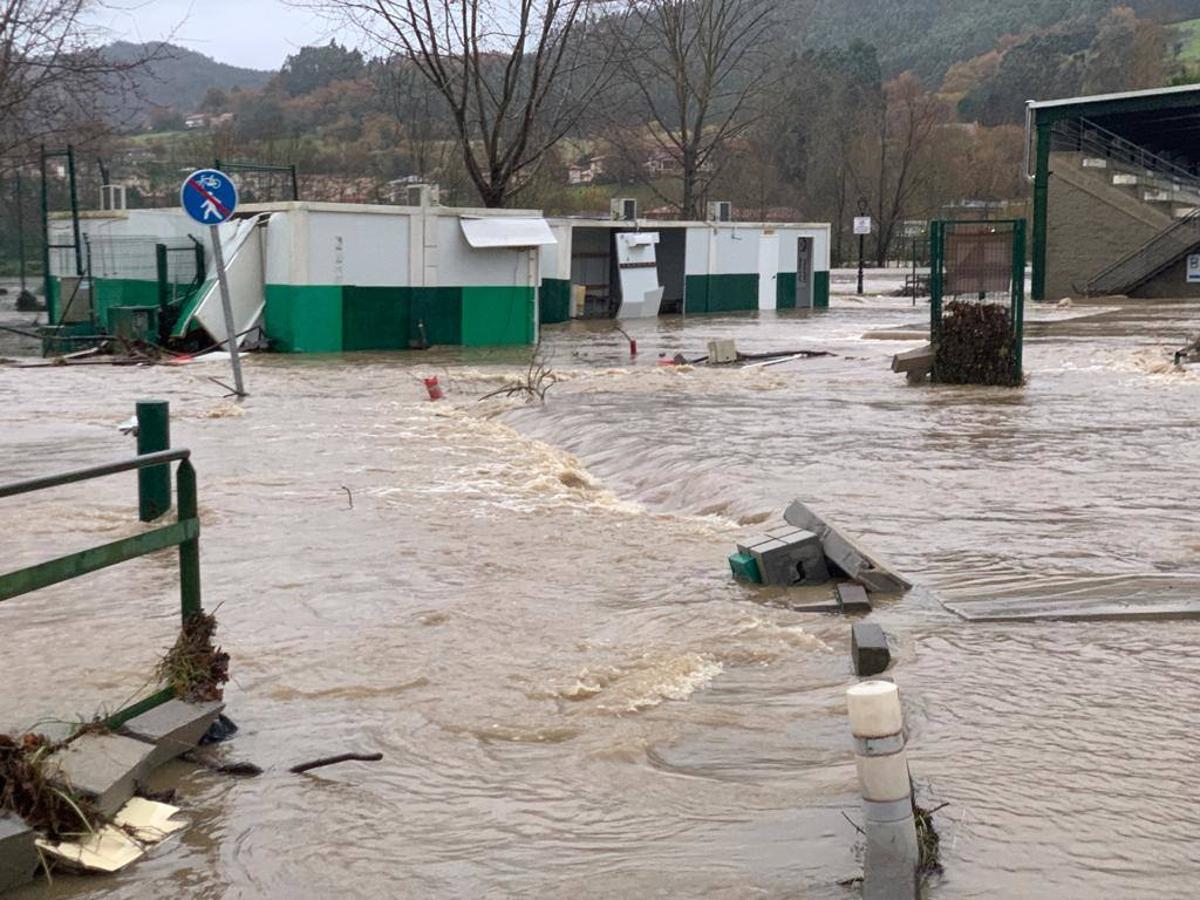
(195, 667)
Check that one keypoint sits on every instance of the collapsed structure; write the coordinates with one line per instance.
(331, 277)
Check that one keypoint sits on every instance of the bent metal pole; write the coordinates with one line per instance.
(231, 340)
(877, 723)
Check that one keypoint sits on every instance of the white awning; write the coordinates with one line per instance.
(507, 232)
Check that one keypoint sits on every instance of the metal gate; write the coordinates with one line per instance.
(977, 305)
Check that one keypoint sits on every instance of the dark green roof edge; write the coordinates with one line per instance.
(1114, 104)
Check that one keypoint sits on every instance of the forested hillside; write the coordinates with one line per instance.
(929, 36)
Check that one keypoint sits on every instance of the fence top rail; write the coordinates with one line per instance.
(112, 468)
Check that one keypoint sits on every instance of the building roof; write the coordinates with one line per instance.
(1165, 121)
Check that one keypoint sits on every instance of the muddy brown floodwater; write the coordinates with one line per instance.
(528, 611)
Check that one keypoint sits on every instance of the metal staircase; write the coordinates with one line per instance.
(1148, 178)
(1148, 260)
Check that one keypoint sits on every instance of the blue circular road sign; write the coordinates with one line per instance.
(208, 196)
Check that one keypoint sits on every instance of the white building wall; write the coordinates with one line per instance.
(696, 245)
(365, 249)
(461, 265)
(737, 250)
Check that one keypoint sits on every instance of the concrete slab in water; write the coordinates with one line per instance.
(18, 856)
(107, 767)
(787, 556)
(174, 728)
(853, 598)
(1018, 610)
(869, 649)
(842, 551)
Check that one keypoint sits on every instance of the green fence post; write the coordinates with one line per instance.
(163, 274)
(1018, 288)
(154, 434)
(936, 247)
(189, 550)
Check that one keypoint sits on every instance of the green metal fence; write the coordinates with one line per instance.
(183, 533)
(975, 265)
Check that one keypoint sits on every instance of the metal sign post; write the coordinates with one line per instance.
(210, 197)
(862, 227)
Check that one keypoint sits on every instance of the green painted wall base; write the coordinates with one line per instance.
(110, 292)
(554, 302)
(820, 290)
(720, 293)
(334, 318)
(785, 290)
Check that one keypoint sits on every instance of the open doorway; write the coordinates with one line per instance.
(592, 268)
(671, 255)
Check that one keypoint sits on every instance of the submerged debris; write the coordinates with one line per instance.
(28, 788)
(195, 667)
(976, 346)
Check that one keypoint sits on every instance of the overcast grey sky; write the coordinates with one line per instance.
(258, 34)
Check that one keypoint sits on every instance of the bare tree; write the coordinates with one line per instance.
(696, 69)
(907, 124)
(54, 73)
(514, 75)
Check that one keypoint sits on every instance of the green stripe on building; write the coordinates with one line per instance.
(785, 290)
(497, 316)
(110, 292)
(820, 290)
(333, 319)
(554, 302)
(720, 293)
(304, 318)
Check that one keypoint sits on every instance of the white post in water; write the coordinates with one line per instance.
(227, 310)
(877, 723)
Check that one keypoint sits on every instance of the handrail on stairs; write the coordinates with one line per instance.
(1142, 262)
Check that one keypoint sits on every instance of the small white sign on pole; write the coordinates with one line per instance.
(1193, 268)
(863, 225)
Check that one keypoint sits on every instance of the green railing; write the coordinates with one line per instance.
(183, 533)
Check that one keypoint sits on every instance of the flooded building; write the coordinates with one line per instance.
(321, 277)
(642, 268)
(1116, 194)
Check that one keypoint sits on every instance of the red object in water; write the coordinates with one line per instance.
(632, 347)
(431, 385)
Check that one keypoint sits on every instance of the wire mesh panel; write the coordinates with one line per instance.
(260, 183)
(977, 283)
(142, 270)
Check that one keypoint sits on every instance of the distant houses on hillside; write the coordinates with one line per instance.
(207, 120)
